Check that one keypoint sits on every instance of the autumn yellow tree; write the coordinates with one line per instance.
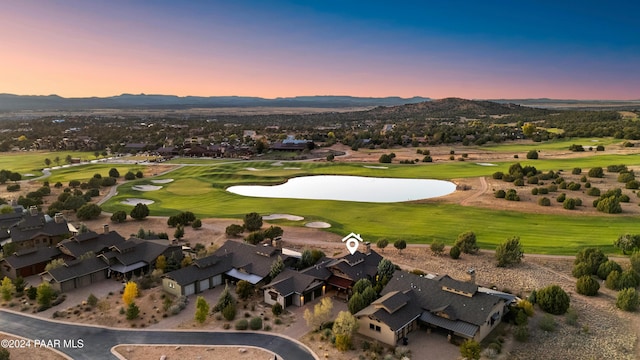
(130, 293)
(322, 313)
(161, 262)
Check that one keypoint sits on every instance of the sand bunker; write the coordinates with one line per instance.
(375, 167)
(283, 216)
(486, 164)
(318, 225)
(254, 169)
(162, 181)
(134, 201)
(292, 168)
(146, 187)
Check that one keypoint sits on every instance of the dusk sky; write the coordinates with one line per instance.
(470, 49)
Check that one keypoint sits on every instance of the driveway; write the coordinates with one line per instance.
(90, 342)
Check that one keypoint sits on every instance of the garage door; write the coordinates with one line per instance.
(190, 289)
(204, 285)
(217, 280)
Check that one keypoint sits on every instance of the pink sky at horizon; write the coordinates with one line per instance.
(79, 52)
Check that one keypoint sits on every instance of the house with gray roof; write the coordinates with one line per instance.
(203, 274)
(121, 260)
(80, 244)
(36, 229)
(76, 274)
(293, 288)
(345, 271)
(27, 262)
(409, 301)
(233, 261)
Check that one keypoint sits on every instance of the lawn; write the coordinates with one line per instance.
(556, 144)
(86, 172)
(32, 162)
(201, 189)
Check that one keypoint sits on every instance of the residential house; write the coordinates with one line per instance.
(203, 274)
(345, 271)
(76, 274)
(90, 242)
(137, 256)
(36, 229)
(116, 257)
(409, 301)
(27, 262)
(292, 144)
(291, 287)
(233, 261)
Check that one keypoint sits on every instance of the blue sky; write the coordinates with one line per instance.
(472, 49)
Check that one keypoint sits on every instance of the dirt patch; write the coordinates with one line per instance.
(137, 352)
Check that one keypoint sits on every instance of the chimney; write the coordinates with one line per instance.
(58, 218)
(471, 272)
(367, 248)
(105, 228)
(277, 243)
(33, 210)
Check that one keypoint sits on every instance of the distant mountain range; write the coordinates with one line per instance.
(10, 102)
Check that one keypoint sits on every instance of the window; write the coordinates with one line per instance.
(375, 327)
(171, 285)
(378, 328)
(372, 327)
(273, 295)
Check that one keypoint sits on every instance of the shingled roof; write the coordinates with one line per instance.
(357, 265)
(290, 281)
(432, 297)
(90, 242)
(396, 309)
(201, 269)
(32, 256)
(32, 225)
(77, 268)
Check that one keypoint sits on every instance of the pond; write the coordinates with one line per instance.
(350, 188)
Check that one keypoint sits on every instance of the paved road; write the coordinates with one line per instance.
(97, 341)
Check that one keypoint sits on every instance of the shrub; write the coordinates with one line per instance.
(569, 204)
(628, 279)
(607, 267)
(92, 300)
(497, 175)
(470, 349)
(512, 195)
(454, 252)
(553, 299)
(613, 280)
(242, 324)
(229, 312)
(521, 333)
(596, 172)
(466, 242)
(544, 201)
(532, 155)
(561, 197)
(255, 323)
(587, 285)
(547, 323)
(518, 182)
(628, 299)
(276, 309)
(509, 252)
(594, 191)
(534, 191)
(500, 194)
(573, 186)
(576, 171)
(437, 247)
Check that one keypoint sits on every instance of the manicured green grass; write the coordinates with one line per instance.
(32, 162)
(201, 189)
(558, 144)
(86, 172)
